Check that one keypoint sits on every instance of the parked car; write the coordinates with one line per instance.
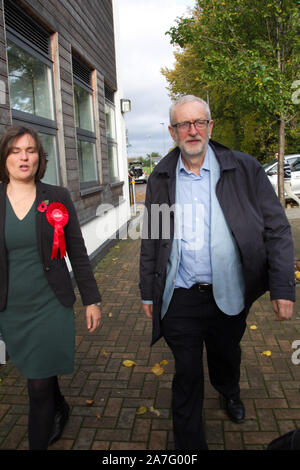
(295, 176)
(271, 169)
(137, 172)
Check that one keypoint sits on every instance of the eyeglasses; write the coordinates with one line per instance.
(199, 124)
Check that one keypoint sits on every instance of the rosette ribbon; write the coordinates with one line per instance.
(58, 216)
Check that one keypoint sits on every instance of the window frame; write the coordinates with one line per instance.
(85, 135)
(49, 63)
(112, 142)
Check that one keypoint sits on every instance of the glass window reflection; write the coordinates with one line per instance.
(30, 83)
(50, 147)
(110, 121)
(87, 161)
(83, 108)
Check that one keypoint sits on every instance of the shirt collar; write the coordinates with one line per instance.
(205, 166)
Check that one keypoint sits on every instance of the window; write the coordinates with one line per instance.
(83, 109)
(296, 166)
(85, 127)
(111, 135)
(50, 147)
(30, 81)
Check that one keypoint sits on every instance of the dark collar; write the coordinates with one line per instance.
(3, 188)
(41, 191)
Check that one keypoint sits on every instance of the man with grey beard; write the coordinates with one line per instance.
(229, 242)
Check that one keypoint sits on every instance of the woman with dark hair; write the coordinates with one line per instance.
(38, 227)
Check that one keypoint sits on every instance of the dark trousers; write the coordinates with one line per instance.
(192, 320)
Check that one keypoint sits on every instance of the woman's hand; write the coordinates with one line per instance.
(93, 317)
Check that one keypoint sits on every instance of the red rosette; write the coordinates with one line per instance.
(58, 216)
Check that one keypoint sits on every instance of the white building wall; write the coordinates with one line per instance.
(121, 127)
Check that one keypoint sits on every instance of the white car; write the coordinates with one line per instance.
(136, 172)
(272, 171)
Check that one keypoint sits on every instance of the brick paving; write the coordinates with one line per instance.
(269, 384)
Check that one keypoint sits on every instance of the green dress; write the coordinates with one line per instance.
(38, 331)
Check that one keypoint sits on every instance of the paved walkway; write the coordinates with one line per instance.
(105, 396)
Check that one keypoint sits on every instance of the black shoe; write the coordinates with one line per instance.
(235, 409)
(60, 419)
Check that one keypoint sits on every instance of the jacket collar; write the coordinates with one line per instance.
(225, 157)
(41, 191)
(3, 189)
(2, 218)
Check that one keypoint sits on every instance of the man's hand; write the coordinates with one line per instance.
(284, 309)
(148, 309)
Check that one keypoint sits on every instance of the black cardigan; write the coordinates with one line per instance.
(56, 270)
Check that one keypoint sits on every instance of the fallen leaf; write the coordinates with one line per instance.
(104, 352)
(157, 370)
(163, 363)
(128, 363)
(297, 274)
(110, 314)
(89, 402)
(115, 259)
(253, 327)
(142, 410)
(98, 416)
(153, 410)
(266, 353)
(117, 246)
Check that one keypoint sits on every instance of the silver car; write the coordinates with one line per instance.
(272, 171)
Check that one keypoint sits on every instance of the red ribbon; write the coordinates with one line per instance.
(57, 216)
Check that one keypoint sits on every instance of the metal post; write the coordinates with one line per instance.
(150, 157)
(164, 143)
(2, 352)
(133, 196)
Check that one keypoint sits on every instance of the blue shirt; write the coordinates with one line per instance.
(194, 202)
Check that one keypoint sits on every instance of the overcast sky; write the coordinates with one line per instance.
(144, 50)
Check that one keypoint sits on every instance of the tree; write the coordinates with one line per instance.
(245, 55)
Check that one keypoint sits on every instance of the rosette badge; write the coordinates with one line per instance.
(57, 216)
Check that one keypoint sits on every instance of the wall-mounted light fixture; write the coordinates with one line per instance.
(125, 106)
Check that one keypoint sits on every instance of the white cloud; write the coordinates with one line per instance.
(144, 50)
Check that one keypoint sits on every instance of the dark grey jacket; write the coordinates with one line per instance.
(254, 215)
(56, 270)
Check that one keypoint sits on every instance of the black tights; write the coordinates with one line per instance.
(44, 397)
